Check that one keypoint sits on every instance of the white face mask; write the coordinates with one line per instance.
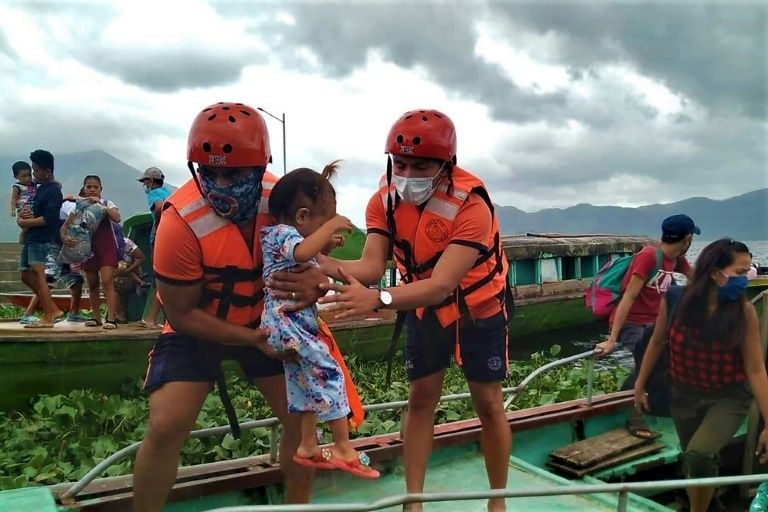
(415, 190)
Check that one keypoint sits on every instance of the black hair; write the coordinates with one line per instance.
(19, 166)
(726, 325)
(42, 158)
(302, 188)
(673, 238)
(92, 177)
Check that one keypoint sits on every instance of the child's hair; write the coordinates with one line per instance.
(42, 158)
(302, 188)
(82, 192)
(19, 166)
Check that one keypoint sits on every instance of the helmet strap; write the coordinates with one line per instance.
(194, 177)
(391, 227)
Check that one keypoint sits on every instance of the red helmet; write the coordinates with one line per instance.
(423, 133)
(229, 135)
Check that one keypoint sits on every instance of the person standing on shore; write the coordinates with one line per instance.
(41, 223)
(153, 181)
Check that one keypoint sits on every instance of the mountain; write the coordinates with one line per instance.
(743, 217)
(117, 177)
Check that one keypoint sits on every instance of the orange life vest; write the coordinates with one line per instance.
(420, 235)
(233, 286)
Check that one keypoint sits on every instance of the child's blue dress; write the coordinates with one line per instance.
(316, 383)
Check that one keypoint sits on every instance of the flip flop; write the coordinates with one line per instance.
(92, 323)
(317, 461)
(109, 325)
(38, 325)
(636, 426)
(358, 467)
(28, 319)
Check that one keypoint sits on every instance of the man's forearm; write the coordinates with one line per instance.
(359, 269)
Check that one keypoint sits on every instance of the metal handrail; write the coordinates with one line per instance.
(623, 490)
(273, 422)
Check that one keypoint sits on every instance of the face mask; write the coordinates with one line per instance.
(239, 202)
(733, 288)
(415, 190)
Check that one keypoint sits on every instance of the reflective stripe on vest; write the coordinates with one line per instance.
(232, 277)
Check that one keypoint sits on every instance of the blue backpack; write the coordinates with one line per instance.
(603, 293)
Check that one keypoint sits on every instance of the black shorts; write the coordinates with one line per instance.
(176, 357)
(483, 348)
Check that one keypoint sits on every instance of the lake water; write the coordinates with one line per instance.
(583, 338)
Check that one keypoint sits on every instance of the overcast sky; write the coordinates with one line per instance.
(555, 103)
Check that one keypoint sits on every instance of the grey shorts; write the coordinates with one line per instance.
(629, 335)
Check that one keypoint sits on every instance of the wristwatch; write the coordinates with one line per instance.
(384, 297)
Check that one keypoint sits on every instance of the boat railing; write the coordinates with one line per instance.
(622, 489)
(273, 423)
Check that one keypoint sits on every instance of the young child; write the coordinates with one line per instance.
(304, 204)
(22, 192)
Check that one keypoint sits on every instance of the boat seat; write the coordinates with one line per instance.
(38, 499)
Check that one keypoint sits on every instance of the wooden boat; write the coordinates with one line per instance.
(573, 455)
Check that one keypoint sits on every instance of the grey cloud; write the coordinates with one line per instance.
(713, 53)
(165, 70)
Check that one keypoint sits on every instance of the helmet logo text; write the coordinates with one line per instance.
(218, 160)
(406, 150)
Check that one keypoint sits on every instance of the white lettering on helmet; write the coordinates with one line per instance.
(406, 150)
(219, 160)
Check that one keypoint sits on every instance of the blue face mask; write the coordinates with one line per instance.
(733, 288)
(239, 202)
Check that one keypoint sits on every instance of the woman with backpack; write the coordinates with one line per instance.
(716, 364)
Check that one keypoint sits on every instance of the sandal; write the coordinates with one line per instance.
(359, 467)
(148, 325)
(109, 325)
(317, 461)
(28, 319)
(637, 426)
(93, 323)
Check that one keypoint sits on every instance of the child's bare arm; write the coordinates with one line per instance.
(312, 245)
(14, 201)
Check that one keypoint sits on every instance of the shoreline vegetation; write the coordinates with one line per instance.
(60, 437)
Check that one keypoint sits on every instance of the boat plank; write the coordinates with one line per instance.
(620, 458)
(596, 449)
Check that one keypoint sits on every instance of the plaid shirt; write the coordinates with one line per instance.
(702, 366)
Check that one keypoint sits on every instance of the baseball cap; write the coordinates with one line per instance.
(678, 226)
(152, 173)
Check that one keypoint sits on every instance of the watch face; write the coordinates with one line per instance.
(385, 297)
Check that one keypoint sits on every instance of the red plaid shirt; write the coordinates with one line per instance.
(703, 366)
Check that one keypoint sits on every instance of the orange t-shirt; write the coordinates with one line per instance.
(471, 226)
